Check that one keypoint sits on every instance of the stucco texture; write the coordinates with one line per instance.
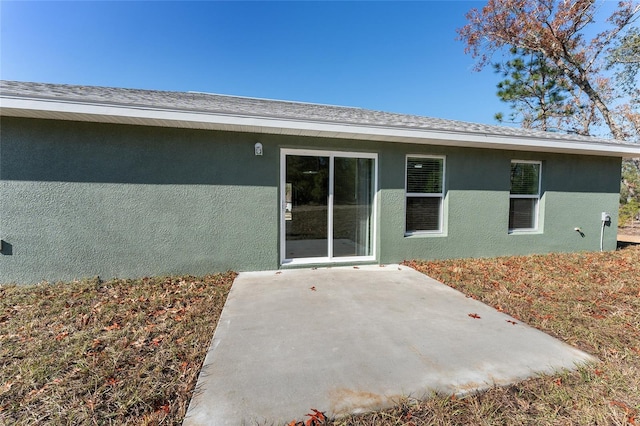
(80, 200)
(86, 199)
(575, 190)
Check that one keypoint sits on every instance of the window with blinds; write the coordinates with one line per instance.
(524, 195)
(424, 194)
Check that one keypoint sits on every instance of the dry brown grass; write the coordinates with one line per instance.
(129, 352)
(589, 300)
(92, 352)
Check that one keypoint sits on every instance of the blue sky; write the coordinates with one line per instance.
(390, 56)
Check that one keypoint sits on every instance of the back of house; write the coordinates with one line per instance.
(127, 183)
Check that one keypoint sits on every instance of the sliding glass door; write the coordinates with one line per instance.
(307, 206)
(327, 206)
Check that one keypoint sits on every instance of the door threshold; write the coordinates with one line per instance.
(326, 264)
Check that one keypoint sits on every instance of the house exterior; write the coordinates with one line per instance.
(128, 183)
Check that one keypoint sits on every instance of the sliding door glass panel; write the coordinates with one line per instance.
(352, 206)
(306, 211)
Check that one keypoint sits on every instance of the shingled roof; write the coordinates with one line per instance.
(233, 113)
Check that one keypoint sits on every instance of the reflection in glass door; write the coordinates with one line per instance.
(306, 215)
(328, 212)
(352, 206)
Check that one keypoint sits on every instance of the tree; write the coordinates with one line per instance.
(557, 77)
(542, 98)
(535, 90)
(629, 193)
(555, 30)
(626, 54)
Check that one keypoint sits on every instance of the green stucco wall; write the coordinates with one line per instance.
(575, 190)
(85, 199)
(81, 199)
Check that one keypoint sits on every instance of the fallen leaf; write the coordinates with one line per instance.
(622, 405)
(114, 326)
(318, 414)
(313, 288)
(61, 336)
(316, 418)
(139, 343)
(511, 322)
(474, 315)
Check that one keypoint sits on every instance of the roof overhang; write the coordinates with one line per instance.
(146, 116)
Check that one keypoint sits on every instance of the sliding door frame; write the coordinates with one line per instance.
(330, 203)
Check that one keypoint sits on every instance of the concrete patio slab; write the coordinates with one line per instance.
(349, 340)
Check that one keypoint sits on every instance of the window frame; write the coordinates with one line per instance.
(439, 195)
(536, 197)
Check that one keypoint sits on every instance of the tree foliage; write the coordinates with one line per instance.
(626, 54)
(554, 32)
(537, 92)
(556, 78)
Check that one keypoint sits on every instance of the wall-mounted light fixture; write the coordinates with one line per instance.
(258, 148)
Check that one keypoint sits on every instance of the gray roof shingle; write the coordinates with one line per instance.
(243, 106)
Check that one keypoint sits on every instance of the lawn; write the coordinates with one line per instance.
(121, 351)
(589, 300)
(113, 352)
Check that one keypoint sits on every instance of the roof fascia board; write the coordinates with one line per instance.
(95, 112)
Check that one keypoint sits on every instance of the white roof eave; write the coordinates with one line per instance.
(105, 113)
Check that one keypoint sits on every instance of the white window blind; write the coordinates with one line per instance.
(424, 194)
(524, 195)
